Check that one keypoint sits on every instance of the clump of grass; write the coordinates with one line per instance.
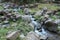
(49, 6)
(21, 11)
(1, 8)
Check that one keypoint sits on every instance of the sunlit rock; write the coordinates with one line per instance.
(22, 36)
(32, 36)
(13, 35)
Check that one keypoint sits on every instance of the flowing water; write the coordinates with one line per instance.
(44, 33)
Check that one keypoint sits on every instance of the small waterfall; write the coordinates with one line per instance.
(37, 26)
(42, 34)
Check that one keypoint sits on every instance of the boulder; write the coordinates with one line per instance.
(27, 11)
(26, 18)
(51, 26)
(32, 36)
(6, 22)
(13, 36)
(53, 36)
(49, 12)
(38, 13)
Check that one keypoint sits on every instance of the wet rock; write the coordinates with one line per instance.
(42, 33)
(13, 35)
(53, 36)
(36, 25)
(51, 26)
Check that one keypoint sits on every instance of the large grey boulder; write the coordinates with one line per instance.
(13, 35)
(32, 36)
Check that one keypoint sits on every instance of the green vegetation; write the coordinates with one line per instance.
(1, 8)
(23, 26)
(20, 25)
(49, 6)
